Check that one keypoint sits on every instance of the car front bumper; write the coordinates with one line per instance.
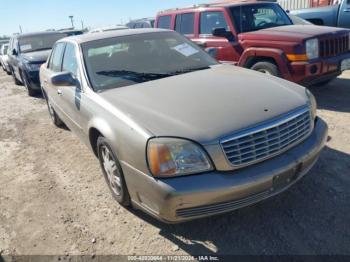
(317, 71)
(185, 198)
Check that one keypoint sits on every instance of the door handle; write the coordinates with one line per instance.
(347, 10)
(59, 91)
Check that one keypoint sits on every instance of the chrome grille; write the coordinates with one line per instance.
(334, 46)
(269, 139)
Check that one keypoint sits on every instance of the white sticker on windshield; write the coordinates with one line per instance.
(186, 49)
(26, 47)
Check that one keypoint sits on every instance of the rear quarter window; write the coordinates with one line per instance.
(164, 22)
(185, 23)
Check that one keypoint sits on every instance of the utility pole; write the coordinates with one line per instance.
(20, 29)
(82, 25)
(71, 20)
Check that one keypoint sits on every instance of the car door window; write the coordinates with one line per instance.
(185, 24)
(56, 58)
(164, 22)
(70, 63)
(211, 20)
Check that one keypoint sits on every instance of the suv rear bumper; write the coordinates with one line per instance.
(317, 71)
(184, 198)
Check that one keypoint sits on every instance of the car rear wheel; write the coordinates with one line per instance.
(53, 115)
(112, 172)
(266, 68)
(30, 90)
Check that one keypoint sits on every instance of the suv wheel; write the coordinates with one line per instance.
(266, 68)
(30, 90)
(112, 172)
(53, 115)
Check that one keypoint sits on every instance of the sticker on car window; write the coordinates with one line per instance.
(185, 49)
(26, 47)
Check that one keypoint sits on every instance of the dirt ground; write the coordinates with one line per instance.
(54, 200)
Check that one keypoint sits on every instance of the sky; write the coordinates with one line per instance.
(36, 15)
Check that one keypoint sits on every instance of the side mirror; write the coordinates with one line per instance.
(14, 52)
(63, 79)
(222, 32)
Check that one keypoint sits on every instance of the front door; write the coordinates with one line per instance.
(226, 51)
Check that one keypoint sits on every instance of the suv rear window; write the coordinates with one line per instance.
(211, 20)
(164, 22)
(185, 24)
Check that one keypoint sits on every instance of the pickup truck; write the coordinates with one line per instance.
(261, 36)
(335, 15)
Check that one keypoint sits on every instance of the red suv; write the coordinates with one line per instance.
(261, 36)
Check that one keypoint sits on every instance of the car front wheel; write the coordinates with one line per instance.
(112, 172)
(15, 80)
(266, 68)
(30, 90)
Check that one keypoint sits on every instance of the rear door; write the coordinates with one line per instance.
(54, 66)
(344, 14)
(208, 21)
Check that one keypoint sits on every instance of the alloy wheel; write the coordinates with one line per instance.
(110, 167)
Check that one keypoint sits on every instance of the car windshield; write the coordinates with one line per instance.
(255, 17)
(128, 60)
(38, 42)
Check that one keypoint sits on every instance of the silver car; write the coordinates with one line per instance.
(177, 134)
(4, 58)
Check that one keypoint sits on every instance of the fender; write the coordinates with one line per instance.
(276, 54)
(104, 128)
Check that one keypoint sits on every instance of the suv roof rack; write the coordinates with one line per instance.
(222, 2)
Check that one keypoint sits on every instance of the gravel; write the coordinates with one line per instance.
(54, 201)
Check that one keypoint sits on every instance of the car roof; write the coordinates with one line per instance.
(222, 4)
(142, 20)
(110, 34)
(38, 34)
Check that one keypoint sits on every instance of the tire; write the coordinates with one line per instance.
(15, 80)
(266, 68)
(53, 115)
(112, 172)
(30, 90)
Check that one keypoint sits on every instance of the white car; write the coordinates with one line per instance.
(108, 28)
(4, 58)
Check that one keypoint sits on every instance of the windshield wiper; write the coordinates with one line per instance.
(188, 70)
(128, 74)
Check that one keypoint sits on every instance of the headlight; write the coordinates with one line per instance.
(33, 67)
(312, 49)
(174, 157)
(312, 103)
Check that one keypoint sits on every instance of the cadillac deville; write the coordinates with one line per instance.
(177, 134)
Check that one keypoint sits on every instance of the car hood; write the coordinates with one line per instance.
(206, 105)
(39, 56)
(291, 33)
